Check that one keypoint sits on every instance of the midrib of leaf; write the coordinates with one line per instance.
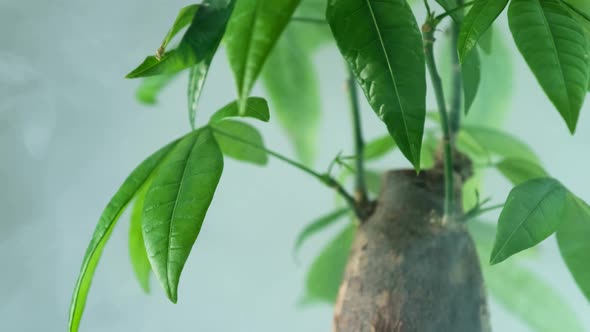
(555, 54)
(534, 209)
(470, 29)
(394, 81)
(243, 87)
(190, 151)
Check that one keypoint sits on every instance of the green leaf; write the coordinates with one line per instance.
(176, 204)
(386, 55)
(531, 214)
(253, 31)
(105, 227)
(486, 40)
(137, 253)
(520, 291)
(150, 87)
(471, 74)
(499, 143)
(236, 148)
(256, 108)
(196, 82)
(318, 225)
(294, 91)
(554, 45)
(183, 19)
(379, 147)
(429, 147)
(449, 5)
(518, 170)
(572, 238)
(199, 43)
(479, 18)
(327, 270)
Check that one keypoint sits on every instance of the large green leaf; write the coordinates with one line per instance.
(137, 253)
(252, 152)
(293, 89)
(150, 87)
(531, 214)
(318, 225)
(253, 31)
(479, 18)
(518, 170)
(199, 43)
(471, 75)
(520, 291)
(327, 270)
(572, 238)
(105, 226)
(379, 147)
(554, 45)
(256, 108)
(382, 44)
(176, 204)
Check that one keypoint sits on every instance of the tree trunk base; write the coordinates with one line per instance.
(408, 271)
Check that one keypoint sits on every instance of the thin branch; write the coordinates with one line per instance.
(359, 144)
(428, 31)
(323, 178)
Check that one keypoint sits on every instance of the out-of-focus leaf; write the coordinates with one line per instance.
(291, 81)
(518, 170)
(449, 5)
(237, 149)
(105, 227)
(532, 212)
(327, 270)
(379, 147)
(429, 146)
(471, 74)
(479, 18)
(572, 238)
(500, 143)
(386, 55)
(139, 259)
(150, 87)
(318, 225)
(176, 204)
(253, 31)
(555, 47)
(199, 43)
(256, 108)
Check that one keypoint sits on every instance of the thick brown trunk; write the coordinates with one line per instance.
(408, 271)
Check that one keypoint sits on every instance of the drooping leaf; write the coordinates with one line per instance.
(384, 49)
(293, 90)
(237, 149)
(379, 147)
(150, 87)
(316, 35)
(471, 75)
(105, 227)
(252, 33)
(520, 291)
(256, 108)
(199, 43)
(176, 204)
(500, 143)
(183, 19)
(572, 238)
(479, 18)
(327, 270)
(450, 5)
(318, 225)
(556, 49)
(137, 253)
(518, 170)
(531, 214)
(196, 81)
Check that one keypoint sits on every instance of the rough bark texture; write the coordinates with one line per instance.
(408, 271)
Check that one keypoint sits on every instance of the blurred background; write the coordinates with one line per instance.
(71, 130)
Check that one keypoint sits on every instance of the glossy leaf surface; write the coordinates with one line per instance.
(532, 212)
(105, 226)
(477, 21)
(382, 44)
(256, 108)
(555, 47)
(137, 253)
(176, 204)
(253, 31)
(249, 152)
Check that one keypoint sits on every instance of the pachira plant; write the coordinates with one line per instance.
(408, 256)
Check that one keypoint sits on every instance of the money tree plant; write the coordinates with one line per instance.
(408, 257)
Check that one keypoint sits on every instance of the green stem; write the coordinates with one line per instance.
(323, 178)
(457, 85)
(428, 31)
(359, 144)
